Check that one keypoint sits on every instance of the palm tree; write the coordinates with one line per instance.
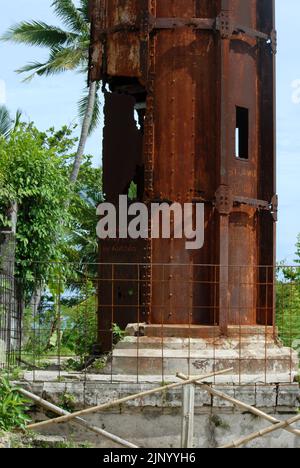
(68, 50)
(7, 123)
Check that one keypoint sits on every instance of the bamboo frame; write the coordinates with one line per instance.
(241, 405)
(262, 433)
(66, 417)
(57, 410)
(121, 401)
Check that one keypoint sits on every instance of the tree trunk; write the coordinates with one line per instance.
(84, 131)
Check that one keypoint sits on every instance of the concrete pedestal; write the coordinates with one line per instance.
(254, 354)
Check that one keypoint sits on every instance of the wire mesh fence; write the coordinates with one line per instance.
(56, 330)
(10, 321)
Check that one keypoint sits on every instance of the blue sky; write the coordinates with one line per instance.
(52, 101)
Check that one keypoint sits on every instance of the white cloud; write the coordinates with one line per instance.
(2, 92)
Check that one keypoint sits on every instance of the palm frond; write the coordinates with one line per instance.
(61, 59)
(37, 68)
(82, 106)
(5, 122)
(17, 119)
(66, 58)
(84, 9)
(38, 33)
(70, 15)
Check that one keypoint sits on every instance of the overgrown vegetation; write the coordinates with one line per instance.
(13, 407)
(118, 333)
(288, 313)
(56, 244)
(288, 303)
(34, 174)
(67, 402)
(71, 334)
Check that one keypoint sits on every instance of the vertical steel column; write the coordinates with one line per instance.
(224, 138)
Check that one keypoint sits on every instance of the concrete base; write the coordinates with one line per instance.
(257, 355)
(263, 374)
(35, 377)
(155, 421)
(198, 331)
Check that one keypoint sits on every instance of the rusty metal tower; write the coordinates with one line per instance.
(200, 77)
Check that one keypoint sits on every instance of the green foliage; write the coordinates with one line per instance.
(13, 407)
(79, 334)
(132, 192)
(73, 333)
(100, 364)
(55, 240)
(118, 333)
(30, 162)
(81, 246)
(14, 373)
(37, 33)
(67, 402)
(288, 313)
(5, 122)
(288, 303)
(68, 46)
(34, 172)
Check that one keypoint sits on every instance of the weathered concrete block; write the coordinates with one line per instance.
(245, 394)
(53, 391)
(248, 356)
(221, 403)
(266, 396)
(288, 396)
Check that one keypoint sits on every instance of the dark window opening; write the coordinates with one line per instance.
(123, 139)
(242, 133)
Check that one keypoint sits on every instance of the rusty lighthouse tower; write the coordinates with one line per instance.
(189, 117)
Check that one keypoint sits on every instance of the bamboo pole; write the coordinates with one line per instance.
(57, 410)
(188, 410)
(262, 433)
(121, 401)
(241, 405)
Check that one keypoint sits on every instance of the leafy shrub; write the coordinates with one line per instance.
(288, 313)
(67, 402)
(80, 332)
(118, 333)
(13, 407)
(70, 332)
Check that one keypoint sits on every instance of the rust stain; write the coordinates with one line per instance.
(200, 77)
